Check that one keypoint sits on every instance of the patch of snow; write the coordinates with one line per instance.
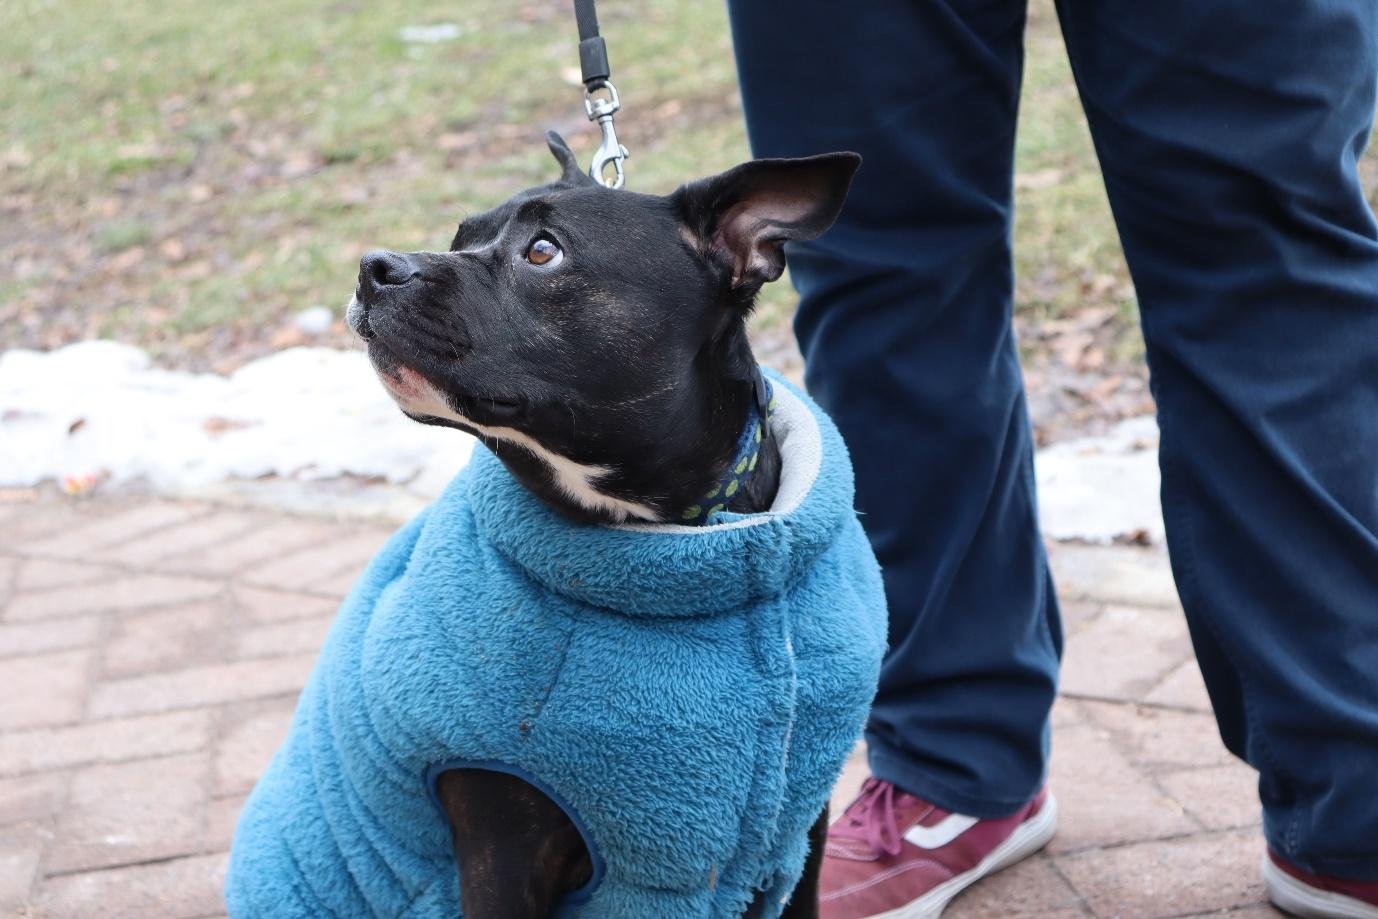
(300, 427)
(315, 320)
(101, 408)
(1099, 489)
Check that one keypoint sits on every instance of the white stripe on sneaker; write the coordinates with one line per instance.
(942, 833)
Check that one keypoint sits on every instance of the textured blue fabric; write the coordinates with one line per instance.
(695, 733)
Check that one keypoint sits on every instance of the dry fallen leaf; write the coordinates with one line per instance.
(125, 260)
(1041, 178)
(80, 484)
(172, 249)
(287, 336)
(216, 425)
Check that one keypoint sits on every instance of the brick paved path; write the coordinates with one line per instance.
(151, 651)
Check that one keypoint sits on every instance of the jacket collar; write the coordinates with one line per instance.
(672, 569)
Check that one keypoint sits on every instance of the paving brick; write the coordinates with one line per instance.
(58, 635)
(272, 540)
(31, 797)
(20, 849)
(221, 816)
(103, 741)
(1114, 574)
(9, 567)
(1066, 712)
(248, 739)
(1143, 780)
(1077, 613)
(294, 636)
(184, 887)
(99, 532)
(1031, 888)
(262, 605)
(1102, 800)
(338, 586)
(1182, 688)
(211, 685)
(1160, 739)
(37, 520)
(297, 570)
(1148, 880)
(192, 536)
(42, 689)
(1124, 653)
(1221, 798)
(174, 637)
(16, 501)
(131, 812)
(43, 573)
(138, 591)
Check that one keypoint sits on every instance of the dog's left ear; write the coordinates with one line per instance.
(570, 172)
(744, 216)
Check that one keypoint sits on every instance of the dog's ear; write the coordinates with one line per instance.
(744, 216)
(570, 174)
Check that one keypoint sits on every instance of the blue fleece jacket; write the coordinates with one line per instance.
(687, 694)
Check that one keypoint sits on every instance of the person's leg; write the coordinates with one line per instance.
(1228, 132)
(904, 321)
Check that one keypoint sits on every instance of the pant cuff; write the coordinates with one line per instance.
(1362, 868)
(902, 773)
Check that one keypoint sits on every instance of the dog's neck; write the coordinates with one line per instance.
(737, 476)
(665, 477)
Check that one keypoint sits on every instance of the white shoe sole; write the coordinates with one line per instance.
(1027, 838)
(1291, 895)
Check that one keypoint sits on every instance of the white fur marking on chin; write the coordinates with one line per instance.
(572, 478)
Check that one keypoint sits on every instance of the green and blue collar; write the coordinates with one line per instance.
(754, 434)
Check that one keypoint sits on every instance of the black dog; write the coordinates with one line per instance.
(596, 342)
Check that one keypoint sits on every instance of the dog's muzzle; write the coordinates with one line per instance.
(381, 274)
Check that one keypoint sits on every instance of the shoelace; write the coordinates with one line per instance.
(871, 818)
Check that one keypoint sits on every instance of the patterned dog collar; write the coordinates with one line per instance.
(743, 463)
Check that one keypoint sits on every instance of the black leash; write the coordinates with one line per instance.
(593, 51)
(600, 96)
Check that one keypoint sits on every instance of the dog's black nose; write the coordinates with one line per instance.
(380, 269)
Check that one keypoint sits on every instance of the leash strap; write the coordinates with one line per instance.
(593, 51)
(600, 96)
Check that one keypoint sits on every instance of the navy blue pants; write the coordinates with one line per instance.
(1228, 133)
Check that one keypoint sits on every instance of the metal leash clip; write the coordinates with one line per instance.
(601, 109)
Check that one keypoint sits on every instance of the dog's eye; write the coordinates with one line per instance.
(544, 251)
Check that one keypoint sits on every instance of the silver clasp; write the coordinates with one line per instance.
(601, 109)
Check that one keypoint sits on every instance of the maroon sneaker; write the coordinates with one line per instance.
(895, 856)
(1317, 896)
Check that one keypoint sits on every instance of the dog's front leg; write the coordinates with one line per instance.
(517, 852)
(803, 903)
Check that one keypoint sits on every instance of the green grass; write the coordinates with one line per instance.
(270, 143)
(196, 172)
(122, 234)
